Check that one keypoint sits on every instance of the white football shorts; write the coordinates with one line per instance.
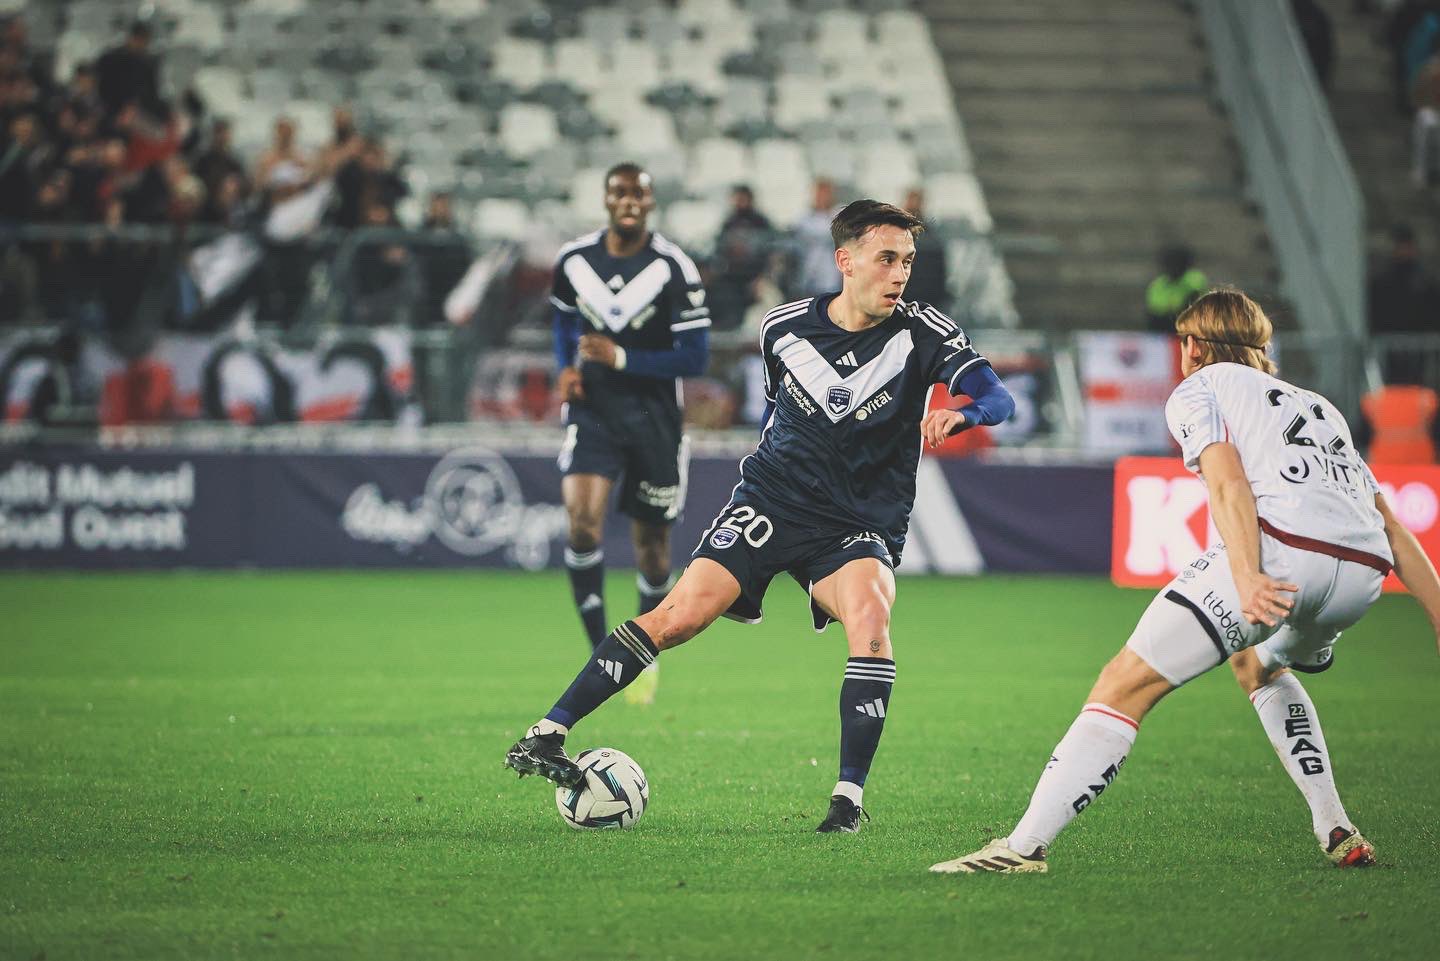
(1195, 624)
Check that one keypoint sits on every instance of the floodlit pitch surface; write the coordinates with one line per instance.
(249, 765)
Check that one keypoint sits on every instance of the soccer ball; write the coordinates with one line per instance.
(613, 795)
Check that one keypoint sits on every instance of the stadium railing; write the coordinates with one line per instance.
(1297, 167)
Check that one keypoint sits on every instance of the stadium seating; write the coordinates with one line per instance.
(524, 101)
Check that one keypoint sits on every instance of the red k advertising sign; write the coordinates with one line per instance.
(1162, 516)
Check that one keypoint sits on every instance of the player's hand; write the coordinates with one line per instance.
(597, 348)
(569, 385)
(940, 424)
(1263, 600)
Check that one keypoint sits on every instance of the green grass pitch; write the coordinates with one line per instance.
(308, 765)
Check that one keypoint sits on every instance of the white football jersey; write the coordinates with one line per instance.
(1302, 464)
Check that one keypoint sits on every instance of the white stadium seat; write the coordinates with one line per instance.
(527, 128)
(646, 130)
(957, 197)
(693, 224)
(577, 62)
(798, 100)
(716, 163)
(522, 62)
(501, 219)
(783, 157)
(841, 36)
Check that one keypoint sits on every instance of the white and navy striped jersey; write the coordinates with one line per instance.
(641, 302)
(843, 443)
(1307, 476)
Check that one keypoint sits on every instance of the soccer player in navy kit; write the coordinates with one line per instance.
(630, 321)
(825, 497)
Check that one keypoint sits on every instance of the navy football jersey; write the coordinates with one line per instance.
(843, 444)
(640, 302)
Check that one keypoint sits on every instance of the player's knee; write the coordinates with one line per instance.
(868, 620)
(586, 529)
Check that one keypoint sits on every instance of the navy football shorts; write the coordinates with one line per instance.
(751, 544)
(645, 452)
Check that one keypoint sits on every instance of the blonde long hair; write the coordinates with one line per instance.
(1230, 327)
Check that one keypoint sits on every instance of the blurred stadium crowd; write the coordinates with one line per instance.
(296, 166)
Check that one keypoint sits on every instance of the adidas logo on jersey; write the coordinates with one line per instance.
(614, 668)
(590, 603)
(848, 360)
(875, 708)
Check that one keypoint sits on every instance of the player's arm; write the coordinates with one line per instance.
(566, 325)
(687, 358)
(990, 404)
(964, 371)
(1412, 566)
(567, 340)
(1232, 508)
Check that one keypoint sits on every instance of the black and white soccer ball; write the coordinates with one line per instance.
(613, 795)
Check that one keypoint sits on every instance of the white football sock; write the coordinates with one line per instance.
(851, 790)
(1085, 761)
(1293, 727)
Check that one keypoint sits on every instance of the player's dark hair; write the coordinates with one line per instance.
(857, 218)
(624, 168)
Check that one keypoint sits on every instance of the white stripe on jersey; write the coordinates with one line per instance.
(690, 324)
(616, 309)
(959, 373)
(784, 312)
(668, 247)
(816, 375)
(584, 240)
(567, 308)
(945, 322)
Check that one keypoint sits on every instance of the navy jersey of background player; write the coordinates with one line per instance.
(843, 443)
(650, 303)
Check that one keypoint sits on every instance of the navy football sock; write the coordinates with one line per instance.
(587, 586)
(617, 661)
(651, 594)
(864, 698)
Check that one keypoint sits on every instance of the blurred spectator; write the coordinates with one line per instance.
(1413, 36)
(21, 156)
(1319, 36)
(365, 178)
(166, 192)
(225, 202)
(1426, 131)
(129, 74)
(282, 170)
(444, 258)
(1404, 299)
(817, 273)
(742, 252)
(928, 279)
(218, 160)
(384, 278)
(1178, 285)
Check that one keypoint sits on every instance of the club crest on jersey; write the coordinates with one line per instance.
(838, 400)
(723, 538)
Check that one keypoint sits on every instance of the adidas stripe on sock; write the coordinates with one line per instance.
(617, 661)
